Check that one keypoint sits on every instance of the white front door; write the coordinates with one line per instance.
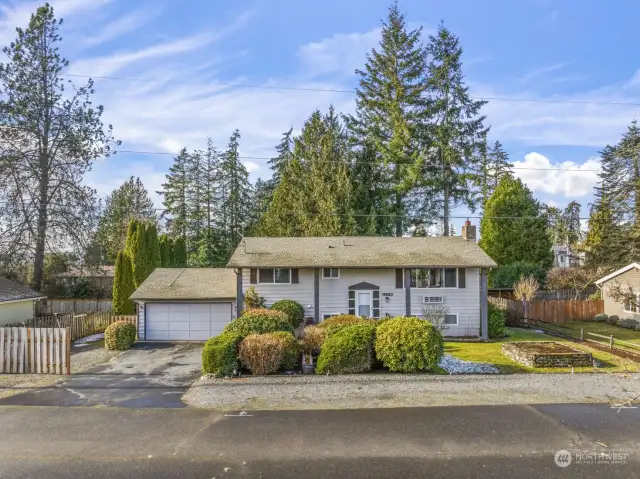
(363, 303)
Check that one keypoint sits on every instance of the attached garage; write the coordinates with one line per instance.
(185, 304)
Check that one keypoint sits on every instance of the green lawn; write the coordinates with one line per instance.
(491, 353)
(573, 327)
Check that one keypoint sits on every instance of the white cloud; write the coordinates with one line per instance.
(251, 166)
(121, 26)
(543, 71)
(567, 179)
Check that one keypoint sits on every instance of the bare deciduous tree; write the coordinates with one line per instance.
(49, 137)
(577, 278)
(525, 290)
(436, 314)
(624, 293)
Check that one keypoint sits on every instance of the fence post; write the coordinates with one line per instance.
(581, 334)
(68, 351)
(611, 341)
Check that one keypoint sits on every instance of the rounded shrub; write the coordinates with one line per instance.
(259, 321)
(293, 310)
(637, 328)
(337, 323)
(261, 353)
(408, 345)
(220, 355)
(291, 358)
(599, 318)
(349, 350)
(613, 319)
(119, 336)
(627, 323)
(496, 320)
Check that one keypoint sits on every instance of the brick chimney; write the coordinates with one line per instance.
(469, 231)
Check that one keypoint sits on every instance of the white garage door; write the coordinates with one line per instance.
(186, 321)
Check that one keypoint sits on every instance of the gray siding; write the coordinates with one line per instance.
(301, 292)
(465, 302)
(334, 296)
(334, 293)
(632, 278)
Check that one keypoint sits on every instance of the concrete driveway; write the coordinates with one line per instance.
(148, 375)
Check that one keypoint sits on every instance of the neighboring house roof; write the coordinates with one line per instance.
(187, 283)
(359, 252)
(101, 271)
(13, 291)
(618, 273)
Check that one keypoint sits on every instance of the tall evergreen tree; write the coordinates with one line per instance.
(279, 163)
(314, 196)
(130, 240)
(195, 191)
(153, 247)
(391, 110)
(235, 202)
(123, 285)
(457, 129)
(179, 253)
(51, 134)
(513, 227)
(571, 219)
(493, 165)
(139, 258)
(174, 191)
(164, 245)
(131, 200)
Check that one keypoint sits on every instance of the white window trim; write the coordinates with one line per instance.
(637, 311)
(330, 277)
(329, 315)
(433, 287)
(457, 319)
(274, 276)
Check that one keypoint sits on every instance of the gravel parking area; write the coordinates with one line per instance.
(411, 390)
(83, 357)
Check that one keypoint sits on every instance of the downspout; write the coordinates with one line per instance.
(239, 293)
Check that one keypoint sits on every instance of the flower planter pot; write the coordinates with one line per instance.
(308, 368)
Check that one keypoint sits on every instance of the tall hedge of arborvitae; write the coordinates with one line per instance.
(164, 244)
(179, 253)
(123, 285)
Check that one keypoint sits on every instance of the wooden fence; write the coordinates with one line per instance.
(550, 311)
(79, 325)
(65, 306)
(35, 350)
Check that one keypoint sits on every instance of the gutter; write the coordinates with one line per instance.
(21, 300)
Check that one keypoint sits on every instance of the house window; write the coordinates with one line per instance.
(451, 319)
(352, 301)
(376, 303)
(330, 273)
(330, 315)
(274, 275)
(434, 278)
(631, 307)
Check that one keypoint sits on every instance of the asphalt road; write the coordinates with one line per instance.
(495, 441)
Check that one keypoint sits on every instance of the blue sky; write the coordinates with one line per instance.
(566, 50)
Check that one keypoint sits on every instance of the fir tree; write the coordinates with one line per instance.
(493, 165)
(457, 129)
(279, 163)
(179, 251)
(571, 219)
(513, 227)
(131, 200)
(130, 240)
(174, 191)
(123, 285)
(391, 109)
(196, 186)
(236, 195)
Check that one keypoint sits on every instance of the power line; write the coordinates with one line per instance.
(335, 90)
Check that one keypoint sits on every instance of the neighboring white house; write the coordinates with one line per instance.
(370, 276)
(185, 304)
(16, 302)
(627, 276)
(563, 257)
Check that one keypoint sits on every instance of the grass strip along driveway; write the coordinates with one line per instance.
(491, 352)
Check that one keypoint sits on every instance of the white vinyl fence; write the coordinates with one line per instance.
(35, 350)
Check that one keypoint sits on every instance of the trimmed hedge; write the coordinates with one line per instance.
(496, 322)
(293, 310)
(119, 336)
(259, 321)
(337, 323)
(507, 275)
(408, 345)
(349, 350)
(220, 355)
(261, 353)
(599, 318)
(291, 358)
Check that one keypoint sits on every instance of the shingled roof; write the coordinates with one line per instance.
(13, 291)
(359, 252)
(187, 283)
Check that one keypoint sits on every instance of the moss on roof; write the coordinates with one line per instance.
(187, 283)
(359, 252)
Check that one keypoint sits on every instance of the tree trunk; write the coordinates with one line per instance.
(398, 214)
(445, 215)
(41, 232)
